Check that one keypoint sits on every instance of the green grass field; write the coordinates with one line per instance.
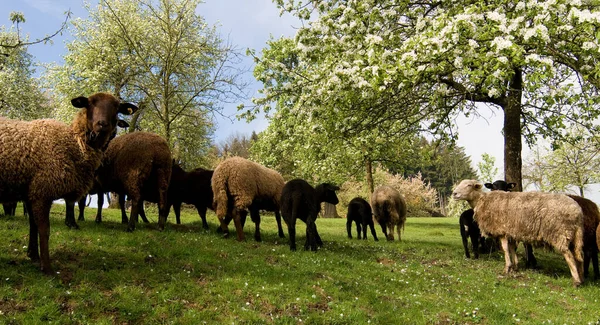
(186, 275)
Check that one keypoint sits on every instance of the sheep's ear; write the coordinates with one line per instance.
(122, 123)
(478, 186)
(512, 185)
(80, 102)
(127, 108)
(332, 187)
(489, 185)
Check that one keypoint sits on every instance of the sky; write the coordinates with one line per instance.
(247, 24)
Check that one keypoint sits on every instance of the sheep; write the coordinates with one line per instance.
(533, 217)
(359, 212)
(469, 227)
(299, 200)
(44, 160)
(591, 219)
(191, 187)
(10, 208)
(137, 164)
(238, 185)
(389, 209)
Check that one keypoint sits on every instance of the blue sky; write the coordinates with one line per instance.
(248, 24)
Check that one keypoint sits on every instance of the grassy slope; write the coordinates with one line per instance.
(186, 275)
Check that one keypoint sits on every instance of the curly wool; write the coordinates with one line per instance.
(245, 183)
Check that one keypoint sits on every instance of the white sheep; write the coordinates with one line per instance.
(533, 217)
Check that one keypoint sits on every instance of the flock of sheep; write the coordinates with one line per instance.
(45, 160)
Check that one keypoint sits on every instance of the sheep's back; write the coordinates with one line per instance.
(529, 216)
(42, 158)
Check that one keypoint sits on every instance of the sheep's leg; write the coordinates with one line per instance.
(100, 203)
(291, 225)
(256, 219)
(384, 230)
(135, 207)
(474, 235)
(202, 214)
(142, 213)
(398, 230)
(41, 214)
(239, 228)
(512, 248)
(32, 249)
(594, 254)
(316, 234)
(177, 210)
(359, 230)
(279, 227)
(465, 241)
(507, 259)
(70, 218)
(81, 205)
(122, 205)
(349, 228)
(163, 202)
(310, 239)
(586, 263)
(530, 260)
(574, 267)
(372, 226)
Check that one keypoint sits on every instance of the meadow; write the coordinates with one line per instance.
(188, 275)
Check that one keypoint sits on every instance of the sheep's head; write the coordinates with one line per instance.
(467, 190)
(500, 185)
(328, 193)
(102, 111)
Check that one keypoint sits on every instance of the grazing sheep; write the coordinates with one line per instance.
(301, 201)
(44, 160)
(389, 209)
(137, 164)
(591, 219)
(359, 212)
(533, 217)
(238, 185)
(469, 227)
(191, 187)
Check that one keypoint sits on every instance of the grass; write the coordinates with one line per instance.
(186, 275)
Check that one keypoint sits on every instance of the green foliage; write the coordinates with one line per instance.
(186, 275)
(487, 168)
(21, 96)
(161, 55)
(574, 163)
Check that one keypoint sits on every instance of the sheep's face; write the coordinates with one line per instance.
(101, 114)
(500, 185)
(330, 196)
(466, 190)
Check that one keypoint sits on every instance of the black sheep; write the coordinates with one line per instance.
(192, 188)
(299, 200)
(359, 211)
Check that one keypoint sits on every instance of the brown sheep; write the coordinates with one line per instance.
(533, 217)
(45, 160)
(591, 219)
(389, 210)
(238, 185)
(137, 164)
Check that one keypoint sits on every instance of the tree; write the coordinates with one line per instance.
(487, 168)
(162, 55)
(358, 63)
(17, 17)
(21, 96)
(572, 164)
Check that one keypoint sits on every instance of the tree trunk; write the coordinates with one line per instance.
(369, 170)
(512, 132)
(114, 201)
(330, 211)
(581, 191)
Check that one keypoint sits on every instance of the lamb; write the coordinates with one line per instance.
(238, 185)
(192, 188)
(137, 164)
(533, 217)
(44, 160)
(301, 201)
(389, 209)
(359, 212)
(469, 227)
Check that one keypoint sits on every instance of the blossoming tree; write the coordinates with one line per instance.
(362, 64)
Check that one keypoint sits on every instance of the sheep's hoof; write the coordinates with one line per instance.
(225, 235)
(293, 248)
(47, 270)
(129, 229)
(98, 220)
